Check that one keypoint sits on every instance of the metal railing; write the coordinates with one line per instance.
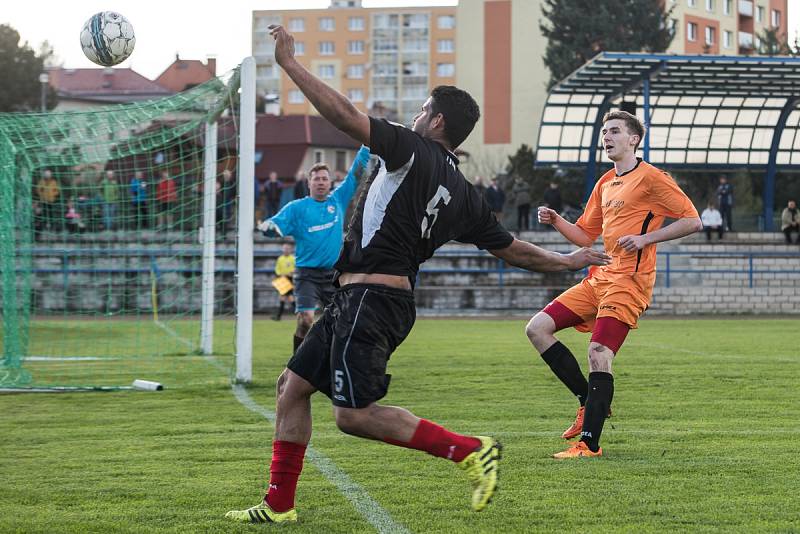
(753, 268)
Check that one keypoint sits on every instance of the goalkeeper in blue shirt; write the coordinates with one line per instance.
(316, 223)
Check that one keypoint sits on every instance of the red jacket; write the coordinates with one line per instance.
(166, 191)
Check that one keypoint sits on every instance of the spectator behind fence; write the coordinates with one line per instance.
(725, 202)
(272, 190)
(73, 218)
(138, 190)
(300, 185)
(522, 196)
(496, 199)
(111, 194)
(226, 199)
(49, 193)
(552, 198)
(790, 221)
(712, 220)
(167, 197)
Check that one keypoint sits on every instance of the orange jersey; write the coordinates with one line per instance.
(635, 202)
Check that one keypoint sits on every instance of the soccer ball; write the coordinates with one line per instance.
(107, 38)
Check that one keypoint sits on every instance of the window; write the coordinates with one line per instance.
(318, 156)
(692, 3)
(710, 35)
(341, 160)
(355, 95)
(296, 96)
(326, 72)
(727, 5)
(727, 38)
(326, 48)
(267, 71)
(776, 18)
(355, 47)
(355, 24)
(760, 14)
(673, 26)
(297, 25)
(446, 22)
(709, 5)
(445, 46)
(299, 48)
(355, 72)
(446, 70)
(327, 24)
(691, 31)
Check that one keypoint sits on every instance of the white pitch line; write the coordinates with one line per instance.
(361, 500)
(69, 359)
(174, 334)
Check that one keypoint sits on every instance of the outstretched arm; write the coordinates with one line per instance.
(680, 228)
(330, 103)
(529, 256)
(564, 227)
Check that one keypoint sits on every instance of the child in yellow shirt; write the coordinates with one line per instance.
(284, 266)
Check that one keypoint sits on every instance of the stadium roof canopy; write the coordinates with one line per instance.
(701, 112)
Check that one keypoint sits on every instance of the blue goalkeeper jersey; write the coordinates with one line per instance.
(317, 226)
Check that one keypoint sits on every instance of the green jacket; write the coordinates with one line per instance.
(110, 192)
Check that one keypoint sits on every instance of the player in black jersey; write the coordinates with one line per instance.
(416, 201)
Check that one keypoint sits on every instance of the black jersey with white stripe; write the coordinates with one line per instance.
(416, 202)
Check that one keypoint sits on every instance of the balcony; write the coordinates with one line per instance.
(746, 40)
(746, 8)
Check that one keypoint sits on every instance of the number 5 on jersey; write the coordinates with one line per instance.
(432, 212)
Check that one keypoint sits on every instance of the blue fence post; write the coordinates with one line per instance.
(502, 267)
(750, 270)
(668, 257)
(65, 271)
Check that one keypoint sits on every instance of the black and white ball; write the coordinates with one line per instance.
(107, 38)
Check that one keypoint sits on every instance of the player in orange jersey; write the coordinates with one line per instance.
(627, 207)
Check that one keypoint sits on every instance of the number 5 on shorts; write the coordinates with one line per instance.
(338, 380)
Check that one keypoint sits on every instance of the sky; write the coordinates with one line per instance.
(166, 27)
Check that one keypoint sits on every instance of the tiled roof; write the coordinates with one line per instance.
(106, 85)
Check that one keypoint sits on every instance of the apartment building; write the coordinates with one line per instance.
(726, 27)
(385, 60)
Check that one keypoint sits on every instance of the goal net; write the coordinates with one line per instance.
(118, 242)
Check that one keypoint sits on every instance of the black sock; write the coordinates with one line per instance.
(566, 368)
(601, 391)
(280, 309)
(297, 341)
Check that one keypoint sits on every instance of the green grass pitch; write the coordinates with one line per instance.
(704, 438)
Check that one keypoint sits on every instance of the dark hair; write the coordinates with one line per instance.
(459, 109)
(318, 167)
(633, 124)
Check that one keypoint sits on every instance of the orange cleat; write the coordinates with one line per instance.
(578, 449)
(577, 425)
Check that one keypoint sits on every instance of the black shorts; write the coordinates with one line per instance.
(313, 288)
(346, 352)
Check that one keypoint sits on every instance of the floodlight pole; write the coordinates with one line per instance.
(246, 173)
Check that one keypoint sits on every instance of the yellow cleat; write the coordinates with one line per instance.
(482, 469)
(579, 449)
(262, 513)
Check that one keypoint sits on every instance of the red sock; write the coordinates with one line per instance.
(287, 463)
(440, 442)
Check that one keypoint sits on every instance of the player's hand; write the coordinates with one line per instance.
(267, 227)
(284, 43)
(632, 243)
(586, 256)
(546, 215)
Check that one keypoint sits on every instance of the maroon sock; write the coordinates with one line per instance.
(287, 463)
(440, 442)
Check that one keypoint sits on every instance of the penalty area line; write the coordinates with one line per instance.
(361, 500)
